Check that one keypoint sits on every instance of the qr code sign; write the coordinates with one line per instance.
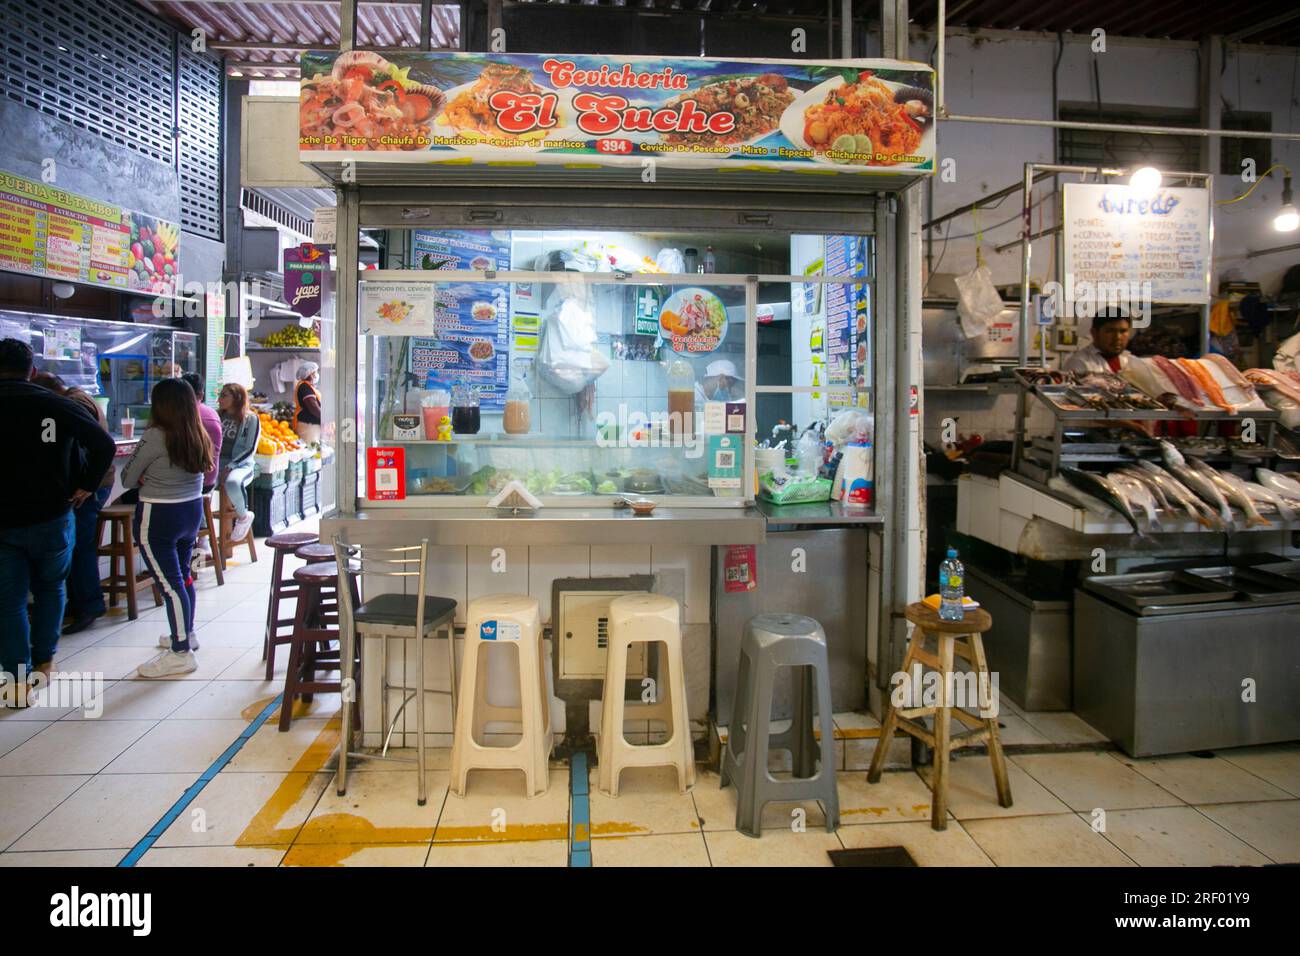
(726, 460)
(385, 479)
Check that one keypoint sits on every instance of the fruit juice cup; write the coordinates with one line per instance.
(434, 406)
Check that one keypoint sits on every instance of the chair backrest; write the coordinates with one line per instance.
(358, 562)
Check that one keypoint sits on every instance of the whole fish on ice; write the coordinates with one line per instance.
(1203, 487)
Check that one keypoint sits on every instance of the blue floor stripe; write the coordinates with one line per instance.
(580, 813)
(168, 818)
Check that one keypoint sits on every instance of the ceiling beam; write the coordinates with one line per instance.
(1263, 25)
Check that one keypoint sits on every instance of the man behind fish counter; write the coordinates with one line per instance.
(1108, 351)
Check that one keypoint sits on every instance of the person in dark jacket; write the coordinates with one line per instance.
(58, 455)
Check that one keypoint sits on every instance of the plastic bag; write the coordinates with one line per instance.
(978, 302)
(851, 426)
(809, 453)
(671, 260)
(567, 357)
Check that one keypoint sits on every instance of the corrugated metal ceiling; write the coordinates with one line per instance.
(278, 31)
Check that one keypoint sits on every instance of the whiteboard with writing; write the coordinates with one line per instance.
(1111, 236)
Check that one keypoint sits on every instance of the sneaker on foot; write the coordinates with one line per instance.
(169, 664)
(204, 546)
(165, 642)
(241, 527)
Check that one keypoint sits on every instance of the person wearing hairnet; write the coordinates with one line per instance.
(306, 405)
(720, 383)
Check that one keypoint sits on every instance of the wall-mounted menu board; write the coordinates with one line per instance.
(46, 231)
(1113, 236)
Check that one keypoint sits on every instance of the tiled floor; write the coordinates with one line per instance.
(82, 792)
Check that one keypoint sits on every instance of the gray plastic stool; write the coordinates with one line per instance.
(772, 641)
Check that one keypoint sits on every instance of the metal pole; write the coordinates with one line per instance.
(1272, 249)
(426, 24)
(1209, 267)
(1037, 235)
(1026, 190)
(347, 25)
(346, 423)
(846, 29)
(941, 21)
(1122, 127)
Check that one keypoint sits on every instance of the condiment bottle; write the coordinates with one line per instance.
(691, 258)
(710, 264)
(516, 418)
(681, 398)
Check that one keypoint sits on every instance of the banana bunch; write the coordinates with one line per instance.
(292, 337)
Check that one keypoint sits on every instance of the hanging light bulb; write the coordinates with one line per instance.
(1287, 219)
(1145, 181)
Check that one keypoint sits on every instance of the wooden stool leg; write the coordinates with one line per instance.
(272, 603)
(995, 744)
(210, 524)
(114, 549)
(292, 676)
(891, 718)
(942, 729)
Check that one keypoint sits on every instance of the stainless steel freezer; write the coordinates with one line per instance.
(1211, 676)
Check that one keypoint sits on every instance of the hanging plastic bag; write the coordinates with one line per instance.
(978, 302)
(567, 356)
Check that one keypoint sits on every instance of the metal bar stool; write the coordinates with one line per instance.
(315, 628)
(386, 616)
(121, 554)
(283, 588)
(960, 638)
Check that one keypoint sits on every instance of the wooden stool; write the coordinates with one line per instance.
(315, 552)
(121, 554)
(282, 588)
(952, 637)
(315, 628)
(227, 515)
(215, 558)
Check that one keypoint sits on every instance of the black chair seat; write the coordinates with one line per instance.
(399, 609)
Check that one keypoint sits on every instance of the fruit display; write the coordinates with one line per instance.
(282, 412)
(151, 256)
(291, 337)
(277, 437)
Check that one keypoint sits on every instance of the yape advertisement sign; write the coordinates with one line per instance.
(857, 116)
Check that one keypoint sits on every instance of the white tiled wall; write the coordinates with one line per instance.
(466, 573)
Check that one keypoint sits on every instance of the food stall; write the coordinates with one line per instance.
(118, 363)
(1146, 498)
(578, 288)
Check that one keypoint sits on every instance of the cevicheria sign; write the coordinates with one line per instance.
(853, 116)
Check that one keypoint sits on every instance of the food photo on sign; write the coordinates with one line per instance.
(853, 116)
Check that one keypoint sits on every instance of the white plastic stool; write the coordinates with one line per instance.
(652, 618)
(495, 621)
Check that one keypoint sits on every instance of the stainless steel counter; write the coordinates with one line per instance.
(482, 526)
(820, 512)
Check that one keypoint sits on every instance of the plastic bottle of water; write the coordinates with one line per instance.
(952, 588)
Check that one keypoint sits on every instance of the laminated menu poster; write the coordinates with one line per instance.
(471, 342)
(1113, 235)
(46, 231)
(850, 116)
(397, 308)
(846, 315)
(476, 249)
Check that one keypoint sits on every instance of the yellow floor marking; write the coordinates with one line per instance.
(613, 827)
(300, 709)
(351, 833)
(517, 833)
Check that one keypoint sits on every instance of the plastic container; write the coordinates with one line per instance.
(465, 416)
(433, 407)
(952, 588)
(516, 420)
(681, 398)
(709, 265)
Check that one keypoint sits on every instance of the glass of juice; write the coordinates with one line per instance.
(465, 416)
